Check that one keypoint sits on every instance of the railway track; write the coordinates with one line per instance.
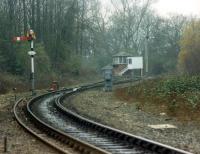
(84, 135)
(22, 118)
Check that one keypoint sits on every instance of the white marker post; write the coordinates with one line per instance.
(32, 54)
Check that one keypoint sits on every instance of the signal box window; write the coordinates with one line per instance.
(130, 61)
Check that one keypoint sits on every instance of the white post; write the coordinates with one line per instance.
(32, 64)
(146, 56)
(32, 75)
(32, 53)
(32, 45)
(141, 72)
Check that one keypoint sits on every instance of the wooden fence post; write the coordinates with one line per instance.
(5, 144)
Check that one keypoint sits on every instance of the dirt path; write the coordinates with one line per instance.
(107, 109)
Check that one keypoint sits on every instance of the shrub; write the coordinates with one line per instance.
(173, 90)
(188, 60)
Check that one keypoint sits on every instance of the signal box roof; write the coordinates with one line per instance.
(123, 54)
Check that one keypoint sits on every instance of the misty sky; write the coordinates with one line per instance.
(185, 7)
(165, 7)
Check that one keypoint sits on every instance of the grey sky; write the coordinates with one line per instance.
(185, 7)
(166, 7)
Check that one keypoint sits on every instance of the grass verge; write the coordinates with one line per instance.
(177, 96)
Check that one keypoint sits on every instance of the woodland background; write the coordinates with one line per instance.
(75, 37)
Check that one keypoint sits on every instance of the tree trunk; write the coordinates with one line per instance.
(38, 31)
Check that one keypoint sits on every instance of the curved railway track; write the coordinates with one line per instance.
(24, 121)
(84, 135)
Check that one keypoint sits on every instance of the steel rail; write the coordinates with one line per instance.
(127, 137)
(74, 143)
(30, 131)
(84, 146)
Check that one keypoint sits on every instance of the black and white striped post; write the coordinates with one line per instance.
(32, 53)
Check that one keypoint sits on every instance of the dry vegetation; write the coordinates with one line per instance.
(179, 97)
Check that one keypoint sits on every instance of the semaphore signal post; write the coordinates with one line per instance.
(29, 37)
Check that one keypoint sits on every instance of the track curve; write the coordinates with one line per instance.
(32, 132)
(84, 135)
(125, 137)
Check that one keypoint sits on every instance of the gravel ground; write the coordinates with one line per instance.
(19, 142)
(107, 109)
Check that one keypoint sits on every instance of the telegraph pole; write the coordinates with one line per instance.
(146, 53)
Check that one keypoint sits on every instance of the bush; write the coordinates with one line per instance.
(188, 59)
(3, 88)
(179, 85)
(9, 81)
(173, 91)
